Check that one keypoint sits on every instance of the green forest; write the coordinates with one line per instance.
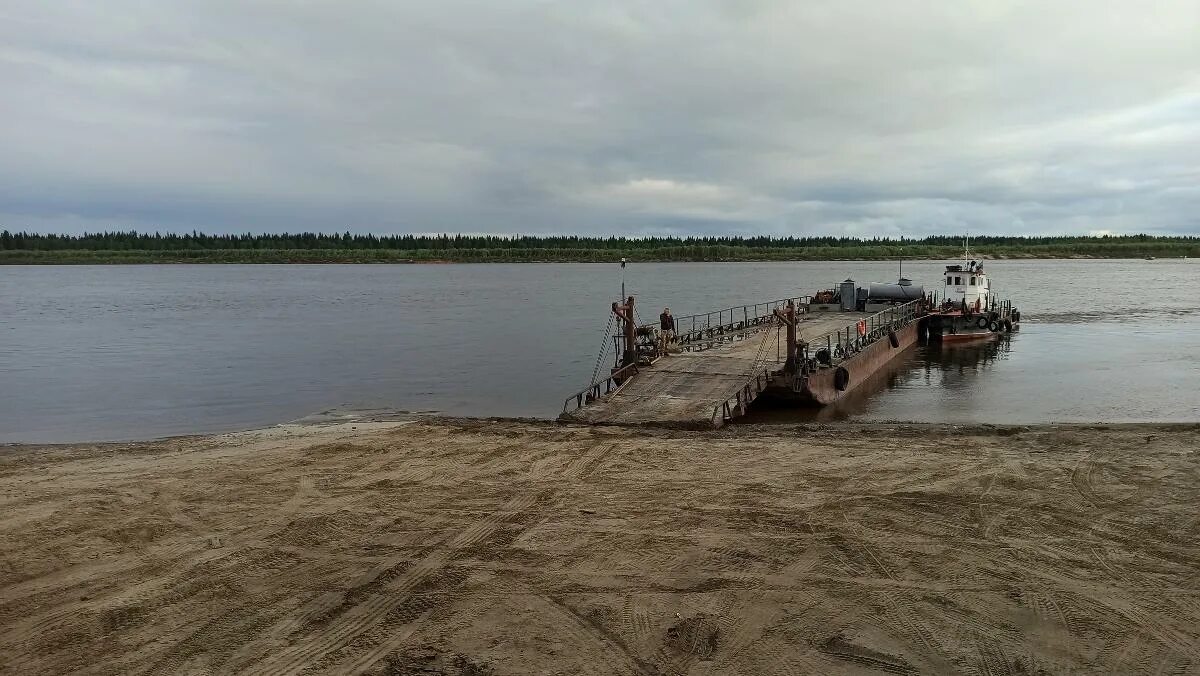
(196, 247)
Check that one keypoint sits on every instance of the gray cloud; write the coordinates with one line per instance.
(671, 117)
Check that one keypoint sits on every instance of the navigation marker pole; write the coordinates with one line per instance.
(622, 277)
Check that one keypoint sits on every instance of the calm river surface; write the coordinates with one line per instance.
(123, 352)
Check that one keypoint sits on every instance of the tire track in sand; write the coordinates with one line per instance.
(582, 629)
(990, 658)
(357, 620)
(23, 635)
(399, 624)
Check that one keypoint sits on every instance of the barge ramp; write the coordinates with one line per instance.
(723, 361)
(689, 389)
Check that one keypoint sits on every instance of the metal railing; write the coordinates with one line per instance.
(759, 377)
(878, 326)
(705, 330)
(736, 404)
(846, 342)
(610, 384)
(708, 329)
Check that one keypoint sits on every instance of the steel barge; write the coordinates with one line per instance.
(804, 350)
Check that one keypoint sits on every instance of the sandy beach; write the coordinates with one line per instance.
(440, 546)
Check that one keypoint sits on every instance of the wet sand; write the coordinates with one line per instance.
(510, 547)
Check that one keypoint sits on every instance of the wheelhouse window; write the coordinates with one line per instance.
(958, 281)
(972, 281)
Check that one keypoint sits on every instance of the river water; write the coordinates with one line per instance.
(125, 352)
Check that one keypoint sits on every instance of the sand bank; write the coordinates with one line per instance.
(477, 547)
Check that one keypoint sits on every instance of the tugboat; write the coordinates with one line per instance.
(970, 310)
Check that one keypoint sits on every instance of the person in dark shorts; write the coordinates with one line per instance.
(666, 330)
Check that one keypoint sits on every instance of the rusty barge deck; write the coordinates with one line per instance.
(725, 360)
(689, 389)
(804, 349)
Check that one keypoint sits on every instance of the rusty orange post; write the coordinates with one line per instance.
(790, 365)
(788, 317)
(626, 315)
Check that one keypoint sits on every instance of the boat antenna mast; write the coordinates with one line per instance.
(968, 257)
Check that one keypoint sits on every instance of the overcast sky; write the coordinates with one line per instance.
(611, 117)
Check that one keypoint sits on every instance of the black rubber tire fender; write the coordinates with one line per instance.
(982, 322)
(893, 338)
(841, 379)
(994, 327)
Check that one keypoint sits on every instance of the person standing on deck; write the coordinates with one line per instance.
(666, 329)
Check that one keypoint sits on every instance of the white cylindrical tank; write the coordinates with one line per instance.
(895, 291)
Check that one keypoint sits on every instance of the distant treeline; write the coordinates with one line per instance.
(195, 247)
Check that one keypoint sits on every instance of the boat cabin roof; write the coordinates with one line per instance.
(975, 269)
